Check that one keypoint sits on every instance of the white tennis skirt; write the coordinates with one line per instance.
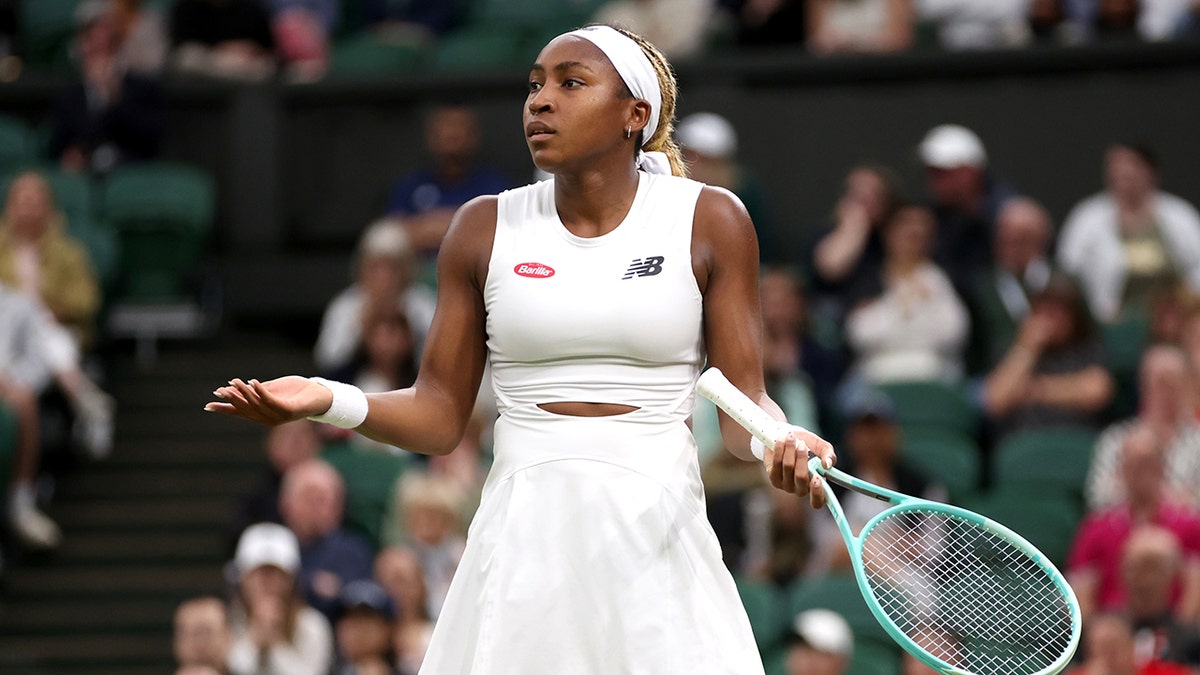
(591, 554)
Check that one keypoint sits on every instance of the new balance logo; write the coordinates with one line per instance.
(644, 267)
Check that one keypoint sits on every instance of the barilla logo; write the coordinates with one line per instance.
(534, 270)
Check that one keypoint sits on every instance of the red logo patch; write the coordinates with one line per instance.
(534, 270)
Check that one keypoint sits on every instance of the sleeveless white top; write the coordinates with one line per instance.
(608, 319)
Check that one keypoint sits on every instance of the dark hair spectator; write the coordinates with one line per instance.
(201, 637)
(222, 38)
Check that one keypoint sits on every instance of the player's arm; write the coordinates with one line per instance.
(430, 416)
(725, 260)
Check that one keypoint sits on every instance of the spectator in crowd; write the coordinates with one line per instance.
(364, 629)
(679, 28)
(202, 636)
(820, 643)
(976, 24)
(312, 503)
(425, 199)
(1151, 567)
(287, 445)
(709, 145)
(111, 115)
(966, 198)
(222, 38)
(1094, 564)
(431, 511)
(40, 259)
(1020, 269)
(416, 21)
(872, 444)
(1189, 341)
(302, 30)
(1054, 373)
(385, 274)
(849, 252)
(914, 327)
(763, 23)
(274, 631)
(1166, 407)
(1132, 239)
(1109, 650)
(142, 37)
(398, 570)
(850, 26)
(199, 670)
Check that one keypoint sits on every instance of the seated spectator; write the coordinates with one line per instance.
(1054, 373)
(142, 37)
(431, 511)
(385, 274)
(40, 259)
(801, 371)
(1152, 565)
(1166, 407)
(416, 21)
(111, 115)
(426, 198)
(871, 451)
(856, 26)
(202, 635)
(199, 670)
(966, 197)
(274, 631)
(1108, 649)
(820, 643)
(763, 23)
(312, 503)
(849, 252)
(1020, 269)
(1094, 564)
(287, 445)
(709, 146)
(222, 38)
(1189, 341)
(914, 326)
(679, 28)
(1132, 239)
(964, 25)
(398, 570)
(363, 630)
(302, 30)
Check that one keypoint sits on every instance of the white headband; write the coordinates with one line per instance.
(638, 74)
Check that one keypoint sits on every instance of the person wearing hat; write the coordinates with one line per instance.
(872, 444)
(363, 629)
(821, 644)
(274, 632)
(965, 199)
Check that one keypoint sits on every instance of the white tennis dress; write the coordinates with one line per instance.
(590, 553)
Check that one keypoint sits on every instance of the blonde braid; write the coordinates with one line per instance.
(663, 139)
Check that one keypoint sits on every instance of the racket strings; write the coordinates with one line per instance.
(965, 594)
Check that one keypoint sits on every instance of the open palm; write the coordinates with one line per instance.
(272, 402)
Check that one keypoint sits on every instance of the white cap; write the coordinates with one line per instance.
(825, 631)
(267, 544)
(708, 134)
(950, 146)
(385, 238)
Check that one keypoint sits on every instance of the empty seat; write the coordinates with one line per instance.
(943, 455)
(16, 144)
(1055, 458)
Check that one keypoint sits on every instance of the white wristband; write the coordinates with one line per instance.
(756, 447)
(349, 407)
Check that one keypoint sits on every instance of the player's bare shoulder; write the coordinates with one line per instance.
(722, 232)
(467, 246)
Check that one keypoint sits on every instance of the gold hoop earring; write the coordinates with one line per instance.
(628, 132)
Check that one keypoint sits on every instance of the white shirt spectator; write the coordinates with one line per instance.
(310, 651)
(977, 24)
(341, 327)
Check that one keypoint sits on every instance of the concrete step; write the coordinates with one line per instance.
(90, 583)
(132, 514)
(51, 653)
(244, 449)
(58, 616)
(126, 548)
(107, 481)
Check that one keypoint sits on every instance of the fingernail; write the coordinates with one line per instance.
(218, 393)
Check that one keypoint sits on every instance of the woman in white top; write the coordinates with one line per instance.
(596, 297)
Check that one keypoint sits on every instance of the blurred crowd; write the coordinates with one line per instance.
(963, 289)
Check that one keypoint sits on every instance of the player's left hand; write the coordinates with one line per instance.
(787, 464)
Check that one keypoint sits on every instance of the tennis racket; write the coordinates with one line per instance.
(960, 592)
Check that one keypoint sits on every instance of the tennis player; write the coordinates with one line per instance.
(597, 297)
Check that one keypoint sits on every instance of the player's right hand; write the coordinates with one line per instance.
(273, 402)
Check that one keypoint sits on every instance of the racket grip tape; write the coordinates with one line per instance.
(714, 386)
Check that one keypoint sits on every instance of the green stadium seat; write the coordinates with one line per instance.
(365, 55)
(8, 442)
(840, 593)
(370, 478)
(765, 605)
(1124, 341)
(46, 28)
(933, 404)
(1056, 458)
(162, 212)
(943, 455)
(872, 657)
(482, 47)
(1046, 518)
(16, 144)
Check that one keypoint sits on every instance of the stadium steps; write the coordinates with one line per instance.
(144, 529)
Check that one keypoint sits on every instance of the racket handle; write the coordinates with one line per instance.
(714, 386)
